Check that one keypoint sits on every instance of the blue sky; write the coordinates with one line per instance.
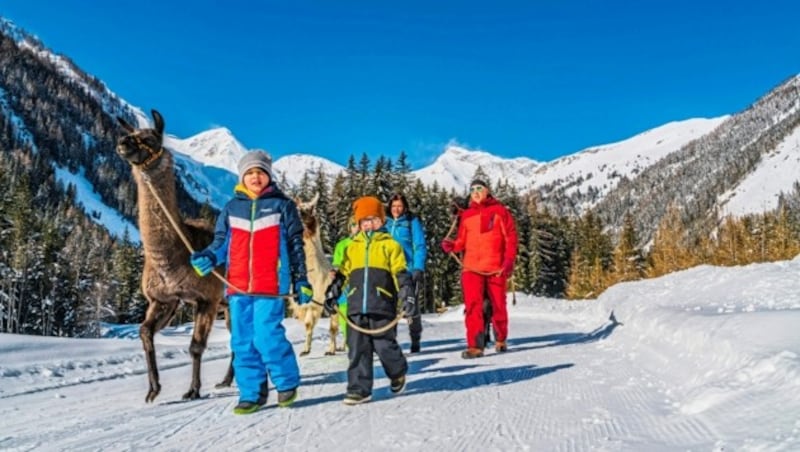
(539, 79)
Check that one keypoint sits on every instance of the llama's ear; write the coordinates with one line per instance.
(128, 128)
(313, 202)
(159, 121)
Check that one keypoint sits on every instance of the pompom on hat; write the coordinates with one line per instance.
(255, 159)
(368, 206)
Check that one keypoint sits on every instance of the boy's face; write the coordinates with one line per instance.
(370, 224)
(256, 180)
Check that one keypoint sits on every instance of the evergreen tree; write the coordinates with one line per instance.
(628, 261)
(327, 225)
(402, 179)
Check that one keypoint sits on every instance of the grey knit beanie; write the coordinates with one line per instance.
(255, 159)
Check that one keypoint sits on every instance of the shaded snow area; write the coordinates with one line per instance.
(703, 360)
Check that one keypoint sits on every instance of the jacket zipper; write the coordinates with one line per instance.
(250, 248)
(366, 276)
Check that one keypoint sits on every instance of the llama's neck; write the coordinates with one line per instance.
(315, 254)
(158, 234)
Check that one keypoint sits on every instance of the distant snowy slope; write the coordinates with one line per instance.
(777, 172)
(601, 167)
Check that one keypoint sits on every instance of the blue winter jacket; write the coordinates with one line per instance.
(260, 237)
(407, 230)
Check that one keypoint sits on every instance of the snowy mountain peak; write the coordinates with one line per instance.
(456, 166)
(214, 147)
(290, 168)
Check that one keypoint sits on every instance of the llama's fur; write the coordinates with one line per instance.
(319, 273)
(167, 277)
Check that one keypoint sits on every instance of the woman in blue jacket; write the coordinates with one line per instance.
(406, 229)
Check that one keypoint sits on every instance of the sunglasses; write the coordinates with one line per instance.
(476, 188)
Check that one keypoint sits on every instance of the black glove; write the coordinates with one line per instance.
(409, 306)
(334, 289)
(331, 305)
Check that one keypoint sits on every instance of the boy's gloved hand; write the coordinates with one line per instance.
(203, 262)
(303, 290)
(334, 289)
(409, 306)
(331, 305)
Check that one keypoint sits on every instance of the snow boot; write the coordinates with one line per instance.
(286, 398)
(245, 407)
(356, 399)
(472, 353)
(398, 384)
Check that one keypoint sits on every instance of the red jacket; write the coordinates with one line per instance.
(488, 237)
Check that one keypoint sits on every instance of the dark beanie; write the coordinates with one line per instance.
(255, 159)
(478, 182)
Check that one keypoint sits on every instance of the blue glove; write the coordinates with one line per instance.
(303, 290)
(203, 262)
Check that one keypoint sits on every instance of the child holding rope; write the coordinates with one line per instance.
(338, 256)
(374, 268)
(260, 236)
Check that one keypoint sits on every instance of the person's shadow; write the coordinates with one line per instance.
(559, 339)
(458, 380)
(523, 343)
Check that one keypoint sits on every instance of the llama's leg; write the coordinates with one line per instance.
(333, 330)
(308, 321)
(228, 380)
(204, 315)
(155, 318)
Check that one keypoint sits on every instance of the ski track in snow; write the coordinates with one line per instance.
(584, 391)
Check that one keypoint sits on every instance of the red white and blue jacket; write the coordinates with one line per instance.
(260, 237)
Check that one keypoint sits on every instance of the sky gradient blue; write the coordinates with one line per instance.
(539, 79)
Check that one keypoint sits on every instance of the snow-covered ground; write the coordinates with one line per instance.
(702, 360)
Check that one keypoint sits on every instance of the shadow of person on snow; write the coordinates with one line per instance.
(458, 381)
(493, 376)
(516, 343)
(555, 340)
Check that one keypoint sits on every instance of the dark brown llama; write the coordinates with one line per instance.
(167, 278)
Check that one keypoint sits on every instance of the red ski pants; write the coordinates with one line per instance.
(475, 287)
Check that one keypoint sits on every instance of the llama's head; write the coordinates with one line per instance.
(308, 216)
(142, 147)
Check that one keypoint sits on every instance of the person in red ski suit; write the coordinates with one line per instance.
(488, 237)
